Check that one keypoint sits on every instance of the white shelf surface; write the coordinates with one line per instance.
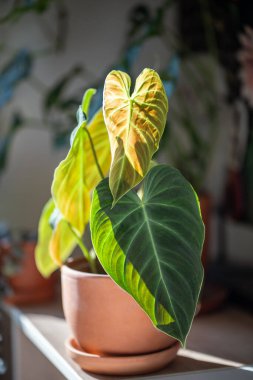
(219, 340)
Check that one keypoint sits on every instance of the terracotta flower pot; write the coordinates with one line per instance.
(104, 319)
(28, 286)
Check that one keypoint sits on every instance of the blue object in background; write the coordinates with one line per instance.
(4, 230)
(171, 75)
(132, 54)
(29, 3)
(5, 141)
(174, 67)
(5, 95)
(169, 87)
(16, 70)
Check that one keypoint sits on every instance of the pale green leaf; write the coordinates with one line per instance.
(78, 174)
(54, 246)
(62, 242)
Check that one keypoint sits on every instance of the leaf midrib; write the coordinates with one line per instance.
(150, 234)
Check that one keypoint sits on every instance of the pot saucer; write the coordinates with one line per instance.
(120, 365)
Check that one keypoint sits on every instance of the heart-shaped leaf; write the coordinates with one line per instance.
(78, 174)
(152, 246)
(135, 125)
(54, 246)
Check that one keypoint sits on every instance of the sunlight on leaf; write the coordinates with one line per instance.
(135, 125)
(77, 175)
(54, 246)
(88, 95)
(62, 242)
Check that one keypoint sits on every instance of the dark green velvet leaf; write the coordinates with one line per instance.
(152, 246)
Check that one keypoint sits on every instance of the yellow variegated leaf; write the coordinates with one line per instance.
(44, 262)
(62, 242)
(77, 175)
(135, 125)
(69, 190)
(43, 254)
(99, 135)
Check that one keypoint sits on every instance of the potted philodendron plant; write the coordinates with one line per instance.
(148, 242)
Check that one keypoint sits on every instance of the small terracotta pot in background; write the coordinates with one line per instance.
(104, 319)
(28, 286)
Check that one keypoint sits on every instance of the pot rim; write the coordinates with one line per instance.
(68, 269)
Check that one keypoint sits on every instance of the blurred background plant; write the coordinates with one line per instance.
(190, 67)
(11, 255)
(57, 109)
(196, 56)
(188, 151)
(245, 57)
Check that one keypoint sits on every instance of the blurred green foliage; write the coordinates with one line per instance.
(145, 23)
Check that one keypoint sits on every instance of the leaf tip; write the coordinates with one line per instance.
(39, 264)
